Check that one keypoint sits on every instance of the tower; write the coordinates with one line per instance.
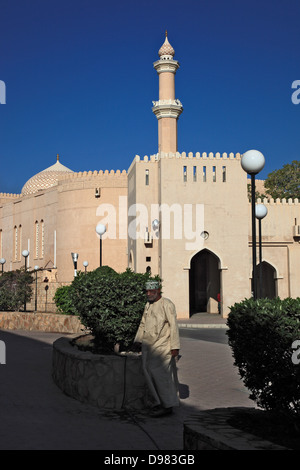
(167, 109)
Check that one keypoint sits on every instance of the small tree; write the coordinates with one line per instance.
(110, 304)
(15, 289)
(261, 333)
(284, 183)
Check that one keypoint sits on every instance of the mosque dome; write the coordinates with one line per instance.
(45, 179)
(166, 51)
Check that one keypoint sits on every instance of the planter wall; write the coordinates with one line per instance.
(50, 322)
(209, 430)
(105, 381)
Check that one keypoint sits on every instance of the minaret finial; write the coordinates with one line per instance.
(57, 158)
(166, 32)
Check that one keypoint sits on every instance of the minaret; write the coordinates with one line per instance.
(167, 109)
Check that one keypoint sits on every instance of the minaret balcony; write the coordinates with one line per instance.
(166, 65)
(167, 108)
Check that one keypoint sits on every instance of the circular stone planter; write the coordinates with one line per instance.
(106, 381)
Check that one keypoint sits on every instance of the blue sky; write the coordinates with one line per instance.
(80, 81)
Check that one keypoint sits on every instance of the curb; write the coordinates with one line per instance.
(195, 326)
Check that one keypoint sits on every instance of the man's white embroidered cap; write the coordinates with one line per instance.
(150, 285)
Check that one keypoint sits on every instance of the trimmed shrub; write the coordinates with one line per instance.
(15, 288)
(110, 304)
(63, 301)
(261, 333)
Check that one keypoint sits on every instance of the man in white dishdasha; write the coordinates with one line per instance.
(158, 336)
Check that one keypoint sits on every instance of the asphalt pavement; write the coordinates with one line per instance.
(37, 415)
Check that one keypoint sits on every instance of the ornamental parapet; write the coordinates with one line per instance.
(167, 108)
(166, 65)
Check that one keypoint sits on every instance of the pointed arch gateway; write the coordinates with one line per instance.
(204, 282)
(267, 284)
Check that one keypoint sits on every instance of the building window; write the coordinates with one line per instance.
(20, 243)
(204, 174)
(224, 174)
(15, 243)
(194, 173)
(184, 174)
(37, 238)
(214, 174)
(147, 177)
(42, 245)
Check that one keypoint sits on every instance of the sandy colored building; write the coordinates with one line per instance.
(183, 216)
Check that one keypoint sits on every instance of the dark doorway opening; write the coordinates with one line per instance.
(204, 282)
(267, 287)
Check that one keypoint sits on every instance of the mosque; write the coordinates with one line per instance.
(186, 217)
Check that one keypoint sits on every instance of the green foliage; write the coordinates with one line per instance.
(110, 304)
(261, 333)
(63, 302)
(284, 183)
(257, 193)
(15, 288)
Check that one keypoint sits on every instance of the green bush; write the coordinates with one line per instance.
(261, 333)
(63, 301)
(15, 288)
(110, 304)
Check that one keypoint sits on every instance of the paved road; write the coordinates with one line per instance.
(35, 414)
(213, 335)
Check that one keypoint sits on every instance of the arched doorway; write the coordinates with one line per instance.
(267, 287)
(204, 280)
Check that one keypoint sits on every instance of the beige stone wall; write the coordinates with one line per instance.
(178, 179)
(280, 248)
(78, 213)
(142, 197)
(225, 220)
(225, 211)
(21, 214)
(70, 212)
(67, 215)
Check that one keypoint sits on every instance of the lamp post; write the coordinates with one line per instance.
(25, 253)
(2, 262)
(35, 303)
(85, 264)
(253, 162)
(75, 258)
(260, 212)
(100, 229)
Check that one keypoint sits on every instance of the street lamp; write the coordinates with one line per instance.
(253, 162)
(155, 224)
(85, 264)
(2, 262)
(260, 212)
(100, 229)
(75, 258)
(36, 270)
(25, 253)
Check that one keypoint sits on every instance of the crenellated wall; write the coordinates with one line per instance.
(108, 175)
(183, 155)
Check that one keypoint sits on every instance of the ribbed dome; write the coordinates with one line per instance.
(166, 49)
(45, 179)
